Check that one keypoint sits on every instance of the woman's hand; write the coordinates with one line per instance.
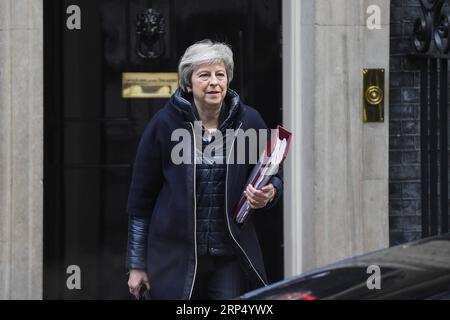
(259, 198)
(136, 280)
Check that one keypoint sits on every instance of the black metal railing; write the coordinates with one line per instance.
(431, 40)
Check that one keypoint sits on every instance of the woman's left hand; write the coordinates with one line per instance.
(259, 198)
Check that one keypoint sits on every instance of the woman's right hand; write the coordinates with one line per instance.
(136, 280)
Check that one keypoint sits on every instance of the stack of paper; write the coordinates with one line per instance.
(268, 166)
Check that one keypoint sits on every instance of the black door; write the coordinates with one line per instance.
(91, 132)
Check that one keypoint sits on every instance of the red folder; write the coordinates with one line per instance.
(274, 154)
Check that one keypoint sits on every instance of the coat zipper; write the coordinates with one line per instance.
(195, 213)
(226, 214)
(226, 210)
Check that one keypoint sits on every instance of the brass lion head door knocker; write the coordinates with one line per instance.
(150, 30)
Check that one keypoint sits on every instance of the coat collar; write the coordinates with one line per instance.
(184, 104)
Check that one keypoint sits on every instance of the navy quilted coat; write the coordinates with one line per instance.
(164, 193)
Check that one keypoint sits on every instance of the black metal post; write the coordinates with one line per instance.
(433, 147)
(424, 145)
(443, 116)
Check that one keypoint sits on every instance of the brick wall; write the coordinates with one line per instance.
(404, 135)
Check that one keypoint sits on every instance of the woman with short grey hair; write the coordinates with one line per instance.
(183, 240)
(204, 52)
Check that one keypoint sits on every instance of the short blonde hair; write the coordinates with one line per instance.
(205, 51)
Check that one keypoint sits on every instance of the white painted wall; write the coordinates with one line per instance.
(336, 200)
(21, 149)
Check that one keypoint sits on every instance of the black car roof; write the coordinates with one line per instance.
(411, 265)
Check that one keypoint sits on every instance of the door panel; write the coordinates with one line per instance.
(91, 132)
